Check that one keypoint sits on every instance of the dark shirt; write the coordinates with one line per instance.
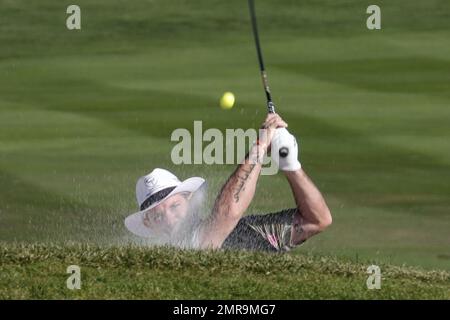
(268, 232)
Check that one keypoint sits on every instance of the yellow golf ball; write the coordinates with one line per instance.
(227, 100)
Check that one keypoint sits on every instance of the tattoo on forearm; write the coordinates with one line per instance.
(235, 184)
(223, 199)
(242, 180)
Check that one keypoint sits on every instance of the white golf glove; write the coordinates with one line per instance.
(285, 141)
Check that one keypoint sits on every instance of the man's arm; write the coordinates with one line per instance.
(313, 215)
(237, 193)
(233, 201)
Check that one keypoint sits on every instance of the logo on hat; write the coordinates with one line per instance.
(150, 182)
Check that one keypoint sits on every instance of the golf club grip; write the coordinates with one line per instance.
(270, 104)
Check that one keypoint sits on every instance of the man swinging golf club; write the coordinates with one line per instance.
(167, 212)
(169, 208)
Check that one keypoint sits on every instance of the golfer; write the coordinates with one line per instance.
(168, 207)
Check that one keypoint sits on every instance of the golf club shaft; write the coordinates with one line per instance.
(270, 104)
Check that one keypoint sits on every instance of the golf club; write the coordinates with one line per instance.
(270, 105)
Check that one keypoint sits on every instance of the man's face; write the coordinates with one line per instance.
(164, 217)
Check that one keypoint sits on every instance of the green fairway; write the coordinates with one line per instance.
(84, 113)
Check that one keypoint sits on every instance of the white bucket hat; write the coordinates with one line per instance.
(153, 189)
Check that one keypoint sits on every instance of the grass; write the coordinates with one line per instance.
(39, 272)
(84, 113)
